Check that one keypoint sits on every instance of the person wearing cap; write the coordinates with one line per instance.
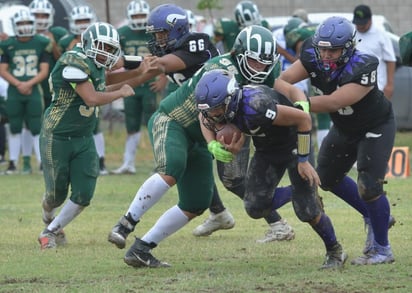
(302, 14)
(373, 40)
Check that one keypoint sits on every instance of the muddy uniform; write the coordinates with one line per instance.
(66, 142)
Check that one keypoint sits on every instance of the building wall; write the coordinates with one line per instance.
(398, 12)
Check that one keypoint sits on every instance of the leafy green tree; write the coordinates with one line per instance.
(209, 5)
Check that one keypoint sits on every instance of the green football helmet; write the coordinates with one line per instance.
(257, 43)
(100, 42)
(247, 13)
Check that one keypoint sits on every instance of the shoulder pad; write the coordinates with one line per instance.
(74, 74)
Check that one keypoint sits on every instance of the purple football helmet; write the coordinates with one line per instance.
(171, 20)
(217, 89)
(333, 33)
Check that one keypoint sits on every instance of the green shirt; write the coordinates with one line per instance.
(181, 104)
(68, 115)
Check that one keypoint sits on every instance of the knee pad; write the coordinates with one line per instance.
(308, 209)
(257, 210)
(369, 187)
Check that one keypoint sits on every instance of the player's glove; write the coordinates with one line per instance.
(303, 105)
(220, 154)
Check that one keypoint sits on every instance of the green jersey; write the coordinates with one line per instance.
(58, 32)
(67, 42)
(181, 104)
(24, 58)
(134, 42)
(229, 29)
(68, 115)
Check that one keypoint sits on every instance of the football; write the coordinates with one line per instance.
(227, 132)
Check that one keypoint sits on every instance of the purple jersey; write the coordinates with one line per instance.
(256, 111)
(372, 110)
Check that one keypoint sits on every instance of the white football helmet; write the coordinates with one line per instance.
(23, 23)
(42, 7)
(101, 40)
(80, 19)
(141, 9)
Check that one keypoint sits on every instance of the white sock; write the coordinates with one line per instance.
(148, 194)
(168, 223)
(132, 142)
(14, 147)
(99, 142)
(26, 142)
(69, 211)
(36, 146)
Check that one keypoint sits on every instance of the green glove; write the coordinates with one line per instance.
(303, 105)
(220, 154)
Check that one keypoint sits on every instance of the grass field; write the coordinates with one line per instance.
(227, 261)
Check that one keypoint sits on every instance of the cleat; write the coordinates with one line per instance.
(120, 232)
(11, 169)
(103, 172)
(370, 238)
(377, 255)
(223, 220)
(278, 231)
(139, 256)
(124, 170)
(61, 238)
(335, 258)
(47, 240)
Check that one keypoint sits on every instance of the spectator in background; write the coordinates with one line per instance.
(302, 14)
(371, 40)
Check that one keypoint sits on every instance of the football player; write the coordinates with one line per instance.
(67, 147)
(277, 129)
(181, 154)
(79, 20)
(363, 127)
(24, 65)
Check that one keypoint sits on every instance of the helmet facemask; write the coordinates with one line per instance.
(137, 13)
(247, 70)
(334, 33)
(255, 43)
(24, 23)
(101, 46)
(80, 19)
(217, 92)
(43, 12)
(170, 20)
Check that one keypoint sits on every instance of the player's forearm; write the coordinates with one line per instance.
(44, 72)
(11, 80)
